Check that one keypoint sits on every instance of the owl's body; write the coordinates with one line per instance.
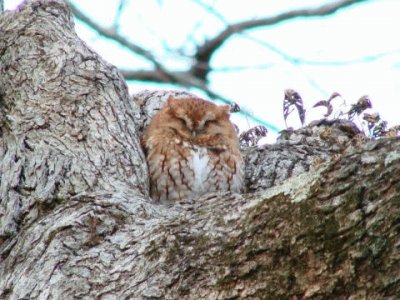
(192, 149)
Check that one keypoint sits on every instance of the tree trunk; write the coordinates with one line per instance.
(320, 219)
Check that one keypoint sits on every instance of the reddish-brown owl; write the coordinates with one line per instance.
(192, 149)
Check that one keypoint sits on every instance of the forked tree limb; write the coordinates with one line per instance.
(321, 222)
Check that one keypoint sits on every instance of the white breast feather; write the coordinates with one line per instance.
(201, 169)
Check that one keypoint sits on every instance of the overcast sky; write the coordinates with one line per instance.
(354, 52)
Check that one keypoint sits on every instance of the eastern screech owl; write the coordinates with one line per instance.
(192, 149)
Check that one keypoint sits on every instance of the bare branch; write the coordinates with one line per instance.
(150, 75)
(188, 80)
(161, 74)
(210, 9)
(183, 78)
(120, 9)
(196, 76)
(205, 51)
(111, 34)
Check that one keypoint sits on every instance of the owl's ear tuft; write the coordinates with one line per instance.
(225, 109)
(172, 104)
(170, 100)
(175, 107)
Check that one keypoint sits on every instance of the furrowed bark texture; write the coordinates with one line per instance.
(320, 219)
(67, 120)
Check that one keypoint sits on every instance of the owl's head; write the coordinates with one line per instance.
(199, 116)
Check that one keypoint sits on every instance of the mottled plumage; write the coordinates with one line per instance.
(192, 149)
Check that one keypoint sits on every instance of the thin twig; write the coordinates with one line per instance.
(205, 51)
(115, 36)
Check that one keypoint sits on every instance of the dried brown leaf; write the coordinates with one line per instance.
(362, 104)
(293, 98)
(371, 119)
(333, 96)
(235, 107)
(252, 136)
(327, 104)
(393, 131)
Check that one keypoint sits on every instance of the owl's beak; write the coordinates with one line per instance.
(194, 133)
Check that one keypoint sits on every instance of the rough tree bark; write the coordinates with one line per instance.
(320, 219)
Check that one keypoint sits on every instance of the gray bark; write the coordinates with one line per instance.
(320, 219)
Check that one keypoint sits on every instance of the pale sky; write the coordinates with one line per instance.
(355, 52)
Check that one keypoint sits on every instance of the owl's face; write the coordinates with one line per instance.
(196, 119)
